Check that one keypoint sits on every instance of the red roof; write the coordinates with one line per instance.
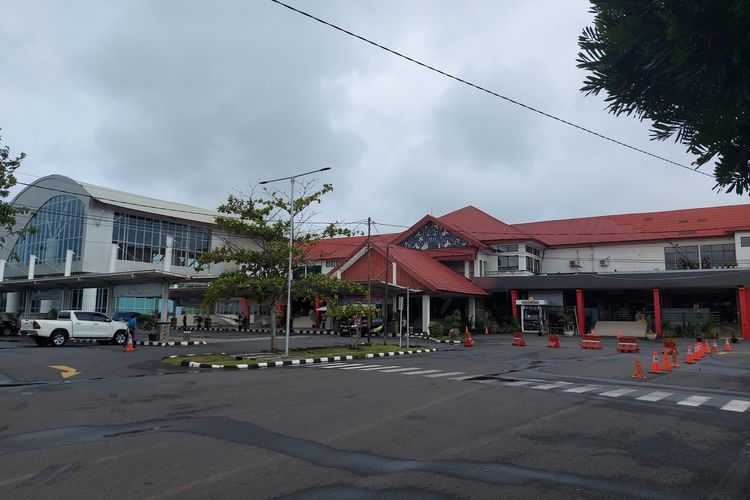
(341, 248)
(466, 236)
(648, 226)
(482, 226)
(429, 271)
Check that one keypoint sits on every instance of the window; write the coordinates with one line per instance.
(141, 239)
(679, 257)
(507, 263)
(507, 248)
(745, 241)
(533, 250)
(720, 255)
(63, 315)
(332, 263)
(58, 227)
(533, 265)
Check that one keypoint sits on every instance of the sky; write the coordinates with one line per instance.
(192, 101)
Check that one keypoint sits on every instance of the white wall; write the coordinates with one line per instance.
(743, 253)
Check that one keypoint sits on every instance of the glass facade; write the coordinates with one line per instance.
(58, 227)
(507, 263)
(720, 255)
(703, 257)
(142, 239)
(676, 258)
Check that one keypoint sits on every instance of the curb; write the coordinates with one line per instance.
(169, 344)
(295, 362)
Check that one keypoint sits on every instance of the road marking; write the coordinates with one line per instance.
(353, 366)
(445, 374)
(396, 370)
(334, 365)
(66, 371)
(379, 367)
(421, 372)
(519, 383)
(693, 401)
(582, 389)
(655, 396)
(736, 405)
(554, 385)
(617, 392)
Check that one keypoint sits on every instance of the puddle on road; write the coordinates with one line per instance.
(365, 464)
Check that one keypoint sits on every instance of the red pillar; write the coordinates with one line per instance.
(657, 311)
(744, 313)
(513, 299)
(581, 315)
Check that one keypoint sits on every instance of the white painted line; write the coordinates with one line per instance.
(332, 365)
(464, 378)
(422, 372)
(379, 367)
(617, 392)
(736, 405)
(519, 383)
(655, 396)
(396, 370)
(445, 374)
(693, 401)
(353, 366)
(582, 389)
(554, 385)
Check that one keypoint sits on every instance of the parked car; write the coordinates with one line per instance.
(8, 324)
(75, 325)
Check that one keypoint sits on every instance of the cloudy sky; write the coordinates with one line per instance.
(190, 101)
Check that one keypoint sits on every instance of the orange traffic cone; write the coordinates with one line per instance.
(486, 331)
(715, 348)
(689, 357)
(674, 363)
(638, 371)
(727, 345)
(619, 333)
(129, 345)
(665, 366)
(469, 341)
(655, 364)
(698, 352)
(706, 348)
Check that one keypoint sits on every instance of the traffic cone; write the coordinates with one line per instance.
(619, 333)
(486, 331)
(469, 342)
(665, 366)
(715, 348)
(655, 364)
(638, 371)
(674, 363)
(727, 345)
(706, 348)
(689, 357)
(697, 353)
(129, 345)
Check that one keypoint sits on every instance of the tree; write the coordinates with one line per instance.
(8, 213)
(259, 246)
(685, 66)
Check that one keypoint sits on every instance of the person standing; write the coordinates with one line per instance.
(132, 323)
(184, 320)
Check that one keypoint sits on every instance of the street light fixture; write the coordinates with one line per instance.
(291, 248)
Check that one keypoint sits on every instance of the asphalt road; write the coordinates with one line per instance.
(492, 421)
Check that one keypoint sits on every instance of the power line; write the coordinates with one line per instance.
(483, 89)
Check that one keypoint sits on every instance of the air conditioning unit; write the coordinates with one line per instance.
(573, 264)
(604, 262)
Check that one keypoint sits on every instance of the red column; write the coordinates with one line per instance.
(657, 311)
(513, 299)
(743, 310)
(581, 315)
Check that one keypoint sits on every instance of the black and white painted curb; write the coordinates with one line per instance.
(296, 331)
(445, 341)
(169, 344)
(308, 361)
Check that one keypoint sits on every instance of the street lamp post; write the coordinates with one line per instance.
(291, 249)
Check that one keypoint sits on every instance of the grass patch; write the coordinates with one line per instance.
(269, 357)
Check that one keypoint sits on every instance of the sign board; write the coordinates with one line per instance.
(532, 302)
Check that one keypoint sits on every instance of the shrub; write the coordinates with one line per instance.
(435, 328)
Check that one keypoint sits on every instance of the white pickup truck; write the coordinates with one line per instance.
(75, 325)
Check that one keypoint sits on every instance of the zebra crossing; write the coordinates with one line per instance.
(680, 398)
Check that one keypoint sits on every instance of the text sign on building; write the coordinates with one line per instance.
(532, 302)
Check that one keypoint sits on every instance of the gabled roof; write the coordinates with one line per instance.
(343, 247)
(468, 237)
(435, 276)
(641, 227)
(482, 226)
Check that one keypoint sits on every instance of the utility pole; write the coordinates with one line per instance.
(385, 297)
(369, 285)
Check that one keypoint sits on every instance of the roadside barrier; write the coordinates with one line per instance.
(591, 342)
(638, 370)
(665, 365)
(727, 345)
(628, 344)
(689, 356)
(655, 363)
(553, 340)
(518, 340)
